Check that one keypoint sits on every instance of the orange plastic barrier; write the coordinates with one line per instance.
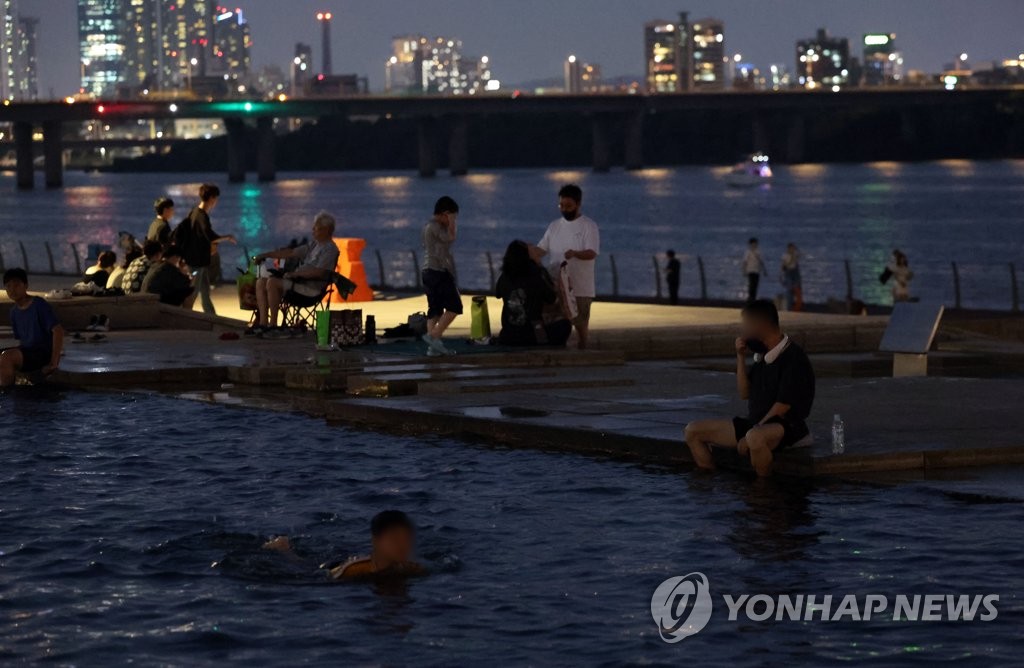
(350, 265)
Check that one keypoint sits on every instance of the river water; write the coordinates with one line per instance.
(939, 213)
(130, 526)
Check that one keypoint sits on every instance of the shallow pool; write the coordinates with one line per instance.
(115, 508)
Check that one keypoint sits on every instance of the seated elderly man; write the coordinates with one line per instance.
(318, 261)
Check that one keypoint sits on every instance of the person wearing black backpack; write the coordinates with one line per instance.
(196, 239)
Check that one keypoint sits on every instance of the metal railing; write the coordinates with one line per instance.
(633, 276)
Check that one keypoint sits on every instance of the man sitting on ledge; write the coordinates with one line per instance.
(33, 322)
(305, 285)
(778, 387)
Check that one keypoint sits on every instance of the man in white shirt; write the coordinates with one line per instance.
(575, 239)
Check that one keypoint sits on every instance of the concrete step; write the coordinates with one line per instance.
(516, 384)
(409, 384)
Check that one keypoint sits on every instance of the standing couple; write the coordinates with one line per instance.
(573, 239)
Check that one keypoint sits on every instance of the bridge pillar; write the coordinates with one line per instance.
(23, 155)
(265, 163)
(635, 141)
(796, 139)
(600, 146)
(458, 146)
(426, 137)
(236, 149)
(53, 153)
(759, 133)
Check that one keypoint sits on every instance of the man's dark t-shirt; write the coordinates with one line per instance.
(159, 231)
(788, 380)
(167, 281)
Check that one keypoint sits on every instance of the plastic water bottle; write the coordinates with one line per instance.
(838, 435)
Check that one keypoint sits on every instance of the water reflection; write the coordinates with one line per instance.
(564, 176)
(775, 521)
(252, 222)
(487, 183)
(887, 169)
(959, 168)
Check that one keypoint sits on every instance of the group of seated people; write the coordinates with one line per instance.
(152, 269)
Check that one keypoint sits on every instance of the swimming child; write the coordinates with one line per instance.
(393, 540)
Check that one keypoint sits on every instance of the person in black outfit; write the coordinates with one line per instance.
(778, 387)
(525, 288)
(197, 240)
(672, 277)
(171, 279)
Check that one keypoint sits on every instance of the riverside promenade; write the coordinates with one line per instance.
(651, 370)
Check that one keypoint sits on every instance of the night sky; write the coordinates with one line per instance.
(529, 39)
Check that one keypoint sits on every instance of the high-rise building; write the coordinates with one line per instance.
(232, 42)
(682, 56)
(26, 80)
(186, 37)
(708, 54)
(823, 61)
(142, 45)
(442, 69)
(581, 77)
(8, 47)
(779, 78)
(271, 81)
(404, 70)
(883, 63)
(746, 76)
(573, 75)
(419, 65)
(302, 68)
(101, 37)
(668, 52)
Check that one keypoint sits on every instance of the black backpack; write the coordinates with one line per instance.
(185, 239)
(182, 234)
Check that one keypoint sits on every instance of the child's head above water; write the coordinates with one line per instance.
(393, 535)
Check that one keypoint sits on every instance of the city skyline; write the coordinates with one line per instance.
(931, 32)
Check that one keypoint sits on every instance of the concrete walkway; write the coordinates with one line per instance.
(614, 400)
(641, 331)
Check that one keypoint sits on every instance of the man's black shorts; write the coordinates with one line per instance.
(442, 295)
(34, 359)
(794, 431)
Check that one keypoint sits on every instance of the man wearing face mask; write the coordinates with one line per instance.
(575, 239)
(778, 388)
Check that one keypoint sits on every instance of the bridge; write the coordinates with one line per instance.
(447, 118)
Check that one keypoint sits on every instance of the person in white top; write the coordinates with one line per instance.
(575, 240)
(899, 268)
(753, 267)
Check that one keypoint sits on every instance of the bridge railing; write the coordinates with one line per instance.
(627, 276)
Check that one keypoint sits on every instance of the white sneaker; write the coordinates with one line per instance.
(437, 346)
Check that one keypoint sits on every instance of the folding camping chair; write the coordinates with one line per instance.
(299, 311)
